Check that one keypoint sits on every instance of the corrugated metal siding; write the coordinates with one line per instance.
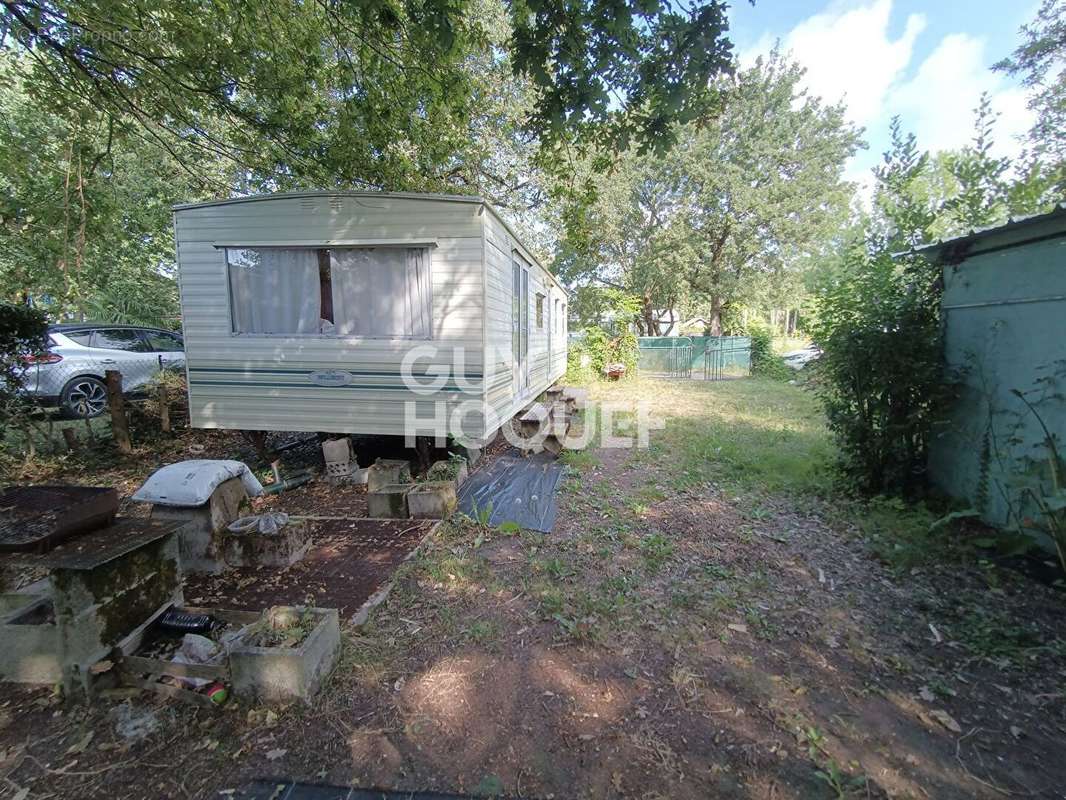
(261, 382)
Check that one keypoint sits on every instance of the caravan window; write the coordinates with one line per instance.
(379, 292)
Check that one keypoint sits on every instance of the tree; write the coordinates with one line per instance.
(1041, 62)
(365, 94)
(85, 221)
(730, 214)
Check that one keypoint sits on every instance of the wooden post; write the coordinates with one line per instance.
(164, 409)
(71, 439)
(120, 428)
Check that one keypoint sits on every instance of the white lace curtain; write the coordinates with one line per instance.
(381, 291)
(377, 291)
(274, 290)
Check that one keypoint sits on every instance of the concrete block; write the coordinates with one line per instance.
(97, 605)
(284, 674)
(434, 500)
(387, 472)
(283, 549)
(388, 502)
(198, 538)
(31, 646)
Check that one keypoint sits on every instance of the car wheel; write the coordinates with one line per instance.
(84, 398)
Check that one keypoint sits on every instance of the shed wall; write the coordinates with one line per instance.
(1005, 329)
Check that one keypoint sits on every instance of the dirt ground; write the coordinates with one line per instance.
(664, 642)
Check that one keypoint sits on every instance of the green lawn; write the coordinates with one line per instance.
(745, 434)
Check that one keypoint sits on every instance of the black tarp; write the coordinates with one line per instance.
(515, 489)
(284, 789)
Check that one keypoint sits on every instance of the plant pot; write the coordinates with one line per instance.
(284, 674)
(436, 500)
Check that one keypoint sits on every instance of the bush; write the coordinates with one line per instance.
(588, 358)
(23, 332)
(764, 361)
(880, 374)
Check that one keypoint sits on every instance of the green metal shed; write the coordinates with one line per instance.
(1004, 308)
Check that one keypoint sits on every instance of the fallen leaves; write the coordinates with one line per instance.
(945, 719)
(274, 755)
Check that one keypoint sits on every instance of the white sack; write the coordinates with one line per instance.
(190, 483)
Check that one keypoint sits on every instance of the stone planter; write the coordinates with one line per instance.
(31, 651)
(387, 472)
(456, 471)
(388, 502)
(284, 674)
(283, 549)
(433, 500)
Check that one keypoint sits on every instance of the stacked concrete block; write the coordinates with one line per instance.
(203, 527)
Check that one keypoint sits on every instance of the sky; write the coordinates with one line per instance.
(927, 62)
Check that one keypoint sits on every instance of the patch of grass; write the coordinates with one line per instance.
(483, 632)
(992, 633)
(656, 550)
(579, 460)
(899, 534)
(752, 433)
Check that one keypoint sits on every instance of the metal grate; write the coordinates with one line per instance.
(37, 518)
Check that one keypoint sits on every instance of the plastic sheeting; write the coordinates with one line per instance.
(190, 483)
(519, 490)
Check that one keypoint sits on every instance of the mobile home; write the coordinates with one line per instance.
(364, 313)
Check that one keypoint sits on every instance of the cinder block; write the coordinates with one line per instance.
(282, 549)
(199, 537)
(389, 502)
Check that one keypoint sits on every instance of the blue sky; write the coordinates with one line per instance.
(928, 62)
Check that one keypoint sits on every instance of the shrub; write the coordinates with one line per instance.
(764, 361)
(23, 332)
(880, 374)
(598, 348)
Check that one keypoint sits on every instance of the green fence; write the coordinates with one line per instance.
(698, 357)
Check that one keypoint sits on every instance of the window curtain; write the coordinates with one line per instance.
(381, 291)
(274, 290)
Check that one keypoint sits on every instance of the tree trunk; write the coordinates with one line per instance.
(714, 324)
(648, 317)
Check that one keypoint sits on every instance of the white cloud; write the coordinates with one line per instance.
(938, 103)
(849, 55)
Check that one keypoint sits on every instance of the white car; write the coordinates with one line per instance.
(71, 372)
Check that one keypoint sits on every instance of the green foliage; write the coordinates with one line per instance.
(373, 93)
(880, 374)
(764, 361)
(23, 332)
(731, 213)
(877, 314)
(631, 70)
(604, 348)
(1039, 62)
(1043, 491)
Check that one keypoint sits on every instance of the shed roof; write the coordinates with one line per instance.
(1014, 232)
